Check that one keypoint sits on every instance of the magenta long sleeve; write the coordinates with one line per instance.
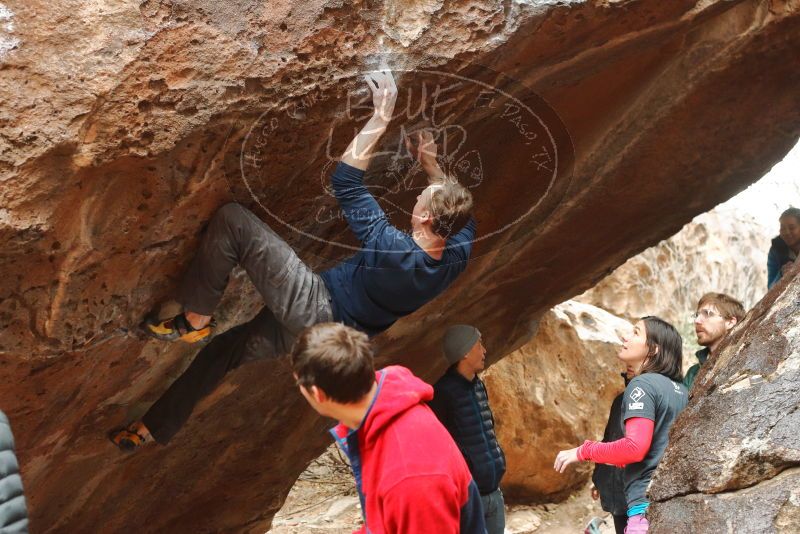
(630, 449)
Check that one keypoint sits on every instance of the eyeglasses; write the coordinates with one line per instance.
(706, 314)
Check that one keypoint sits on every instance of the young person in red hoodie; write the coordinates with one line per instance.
(410, 476)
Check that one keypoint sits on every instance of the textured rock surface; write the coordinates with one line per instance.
(123, 128)
(747, 403)
(773, 506)
(715, 252)
(553, 393)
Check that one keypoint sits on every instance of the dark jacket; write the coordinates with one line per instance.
(702, 356)
(608, 478)
(779, 255)
(463, 408)
(13, 513)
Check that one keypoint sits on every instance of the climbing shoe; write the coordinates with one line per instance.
(127, 439)
(176, 328)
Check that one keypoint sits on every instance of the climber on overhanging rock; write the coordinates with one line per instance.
(392, 275)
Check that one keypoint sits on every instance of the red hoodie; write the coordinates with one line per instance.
(410, 475)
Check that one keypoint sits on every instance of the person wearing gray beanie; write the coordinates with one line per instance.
(455, 398)
(458, 341)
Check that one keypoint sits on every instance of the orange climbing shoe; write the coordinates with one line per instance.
(176, 328)
(127, 439)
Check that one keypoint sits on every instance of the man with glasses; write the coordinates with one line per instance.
(716, 315)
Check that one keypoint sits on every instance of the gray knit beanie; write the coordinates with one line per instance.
(458, 340)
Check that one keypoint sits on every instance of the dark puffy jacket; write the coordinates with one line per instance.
(608, 478)
(463, 408)
(13, 514)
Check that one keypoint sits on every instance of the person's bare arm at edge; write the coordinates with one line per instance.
(384, 96)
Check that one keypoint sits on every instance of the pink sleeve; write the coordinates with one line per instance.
(628, 450)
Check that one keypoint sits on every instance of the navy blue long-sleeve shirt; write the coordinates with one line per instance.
(391, 276)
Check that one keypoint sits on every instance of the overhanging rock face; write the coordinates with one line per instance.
(124, 126)
(734, 455)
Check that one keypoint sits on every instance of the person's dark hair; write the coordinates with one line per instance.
(791, 212)
(666, 360)
(335, 358)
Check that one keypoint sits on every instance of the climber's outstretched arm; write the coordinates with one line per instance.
(384, 95)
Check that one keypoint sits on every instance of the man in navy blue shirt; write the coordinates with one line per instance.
(392, 275)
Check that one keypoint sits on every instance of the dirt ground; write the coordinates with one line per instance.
(324, 500)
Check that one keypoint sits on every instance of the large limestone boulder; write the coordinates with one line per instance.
(551, 394)
(732, 462)
(126, 124)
